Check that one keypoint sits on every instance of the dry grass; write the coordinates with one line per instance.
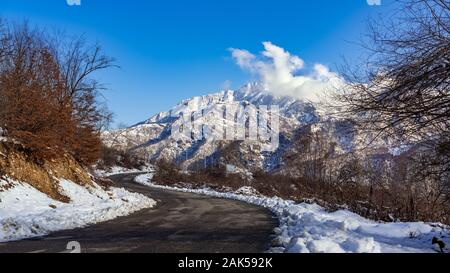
(16, 162)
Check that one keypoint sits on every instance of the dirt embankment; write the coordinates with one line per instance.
(17, 162)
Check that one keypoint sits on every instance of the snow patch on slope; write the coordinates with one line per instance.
(308, 228)
(120, 170)
(25, 212)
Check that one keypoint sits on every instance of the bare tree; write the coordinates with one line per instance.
(3, 39)
(404, 92)
(49, 98)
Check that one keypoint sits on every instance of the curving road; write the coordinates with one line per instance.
(180, 223)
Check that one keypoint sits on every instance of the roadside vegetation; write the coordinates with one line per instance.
(49, 99)
(111, 157)
(51, 107)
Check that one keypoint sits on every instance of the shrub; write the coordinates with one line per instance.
(111, 157)
(48, 101)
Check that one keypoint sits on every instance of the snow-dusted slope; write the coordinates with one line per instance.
(26, 212)
(291, 108)
(153, 137)
(252, 93)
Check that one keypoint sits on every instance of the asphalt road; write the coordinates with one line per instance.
(180, 223)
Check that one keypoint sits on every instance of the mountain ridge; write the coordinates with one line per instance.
(152, 138)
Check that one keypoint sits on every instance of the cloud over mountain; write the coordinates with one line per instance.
(279, 72)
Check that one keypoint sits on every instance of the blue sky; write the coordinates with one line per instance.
(172, 50)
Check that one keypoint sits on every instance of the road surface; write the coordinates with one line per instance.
(180, 223)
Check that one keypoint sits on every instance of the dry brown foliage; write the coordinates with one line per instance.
(48, 102)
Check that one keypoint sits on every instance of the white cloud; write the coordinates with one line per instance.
(243, 58)
(73, 2)
(278, 70)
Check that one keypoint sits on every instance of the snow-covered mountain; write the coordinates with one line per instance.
(154, 137)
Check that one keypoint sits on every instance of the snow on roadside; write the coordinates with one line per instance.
(120, 170)
(308, 228)
(25, 212)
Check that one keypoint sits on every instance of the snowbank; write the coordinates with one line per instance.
(26, 212)
(306, 228)
(120, 170)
